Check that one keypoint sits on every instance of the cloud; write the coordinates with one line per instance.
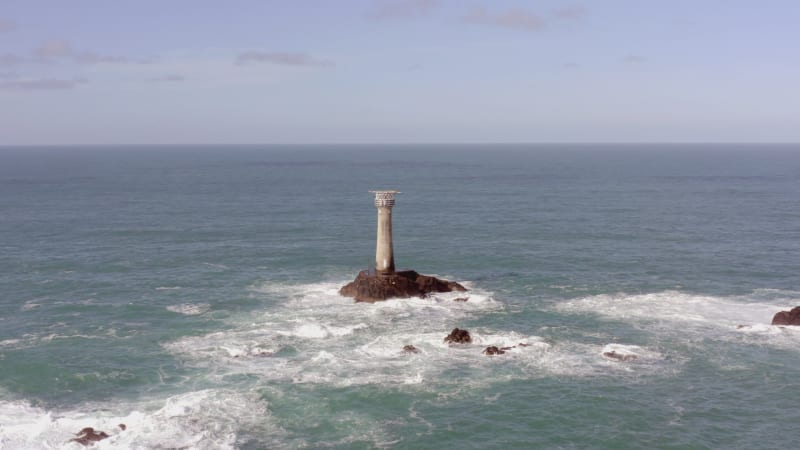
(573, 12)
(56, 48)
(8, 75)
(517, 19)
(41, 84)
(53, 49)
(94, 58)
(570, 65)
(6, 25)
(168, 79)
(402, 9)
(283, 58)
(633, 59)
(9, 59)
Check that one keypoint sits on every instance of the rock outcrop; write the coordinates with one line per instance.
(372, 287)
(492, 350)
(88, 436)
(624, 357)
(458, 336)
(787, 317)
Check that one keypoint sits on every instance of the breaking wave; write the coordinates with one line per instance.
(312, 335)
(218, 419)
(744, 319)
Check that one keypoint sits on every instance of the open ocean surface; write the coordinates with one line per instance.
(191, 294)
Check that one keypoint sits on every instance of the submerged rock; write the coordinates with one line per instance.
(492, 350)
(410, 349)
(88, 436)
(461, 299)
(619, 356)
(373, 287)
(458, 336)
(787, 317)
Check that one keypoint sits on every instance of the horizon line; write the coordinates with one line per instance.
(332, 144)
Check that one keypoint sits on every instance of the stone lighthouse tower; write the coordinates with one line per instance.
(386, 282)
(384, 251)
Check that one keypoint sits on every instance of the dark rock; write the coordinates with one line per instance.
(492, 350)
(88, 436)
(619, 356)
(461, 299)
(373, 287)
(458, 336)
(787, 317)
(122, 426)
(410, 349)
(523, 345)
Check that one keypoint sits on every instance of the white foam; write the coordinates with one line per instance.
(675, 306)
(10, 343)
(677, 313)
(168, 288)
(30, 304)
(318, 331)
(190, 309)
(311, 334)
(203, 419)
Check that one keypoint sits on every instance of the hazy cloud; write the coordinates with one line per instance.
(168, 79)
(518, 19)
(402, 9)
(570, 65)
(283, 58)
(57, 48)
(53, 49)
(572, 12)
(8, 75)
(42, 84)
(634, 59)
(10, 59)
(94, 58)
(6, 25)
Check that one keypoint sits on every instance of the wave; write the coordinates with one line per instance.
(739, 318)
(190, 309)
(312, 335)
(214, 418)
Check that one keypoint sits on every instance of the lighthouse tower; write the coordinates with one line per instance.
(385, 283)
(384, 252)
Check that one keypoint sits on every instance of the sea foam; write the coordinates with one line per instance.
(218, 419)
(673, 313)
(312, 335)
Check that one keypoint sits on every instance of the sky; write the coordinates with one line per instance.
(398, 71)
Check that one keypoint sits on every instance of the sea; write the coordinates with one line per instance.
(190, 293)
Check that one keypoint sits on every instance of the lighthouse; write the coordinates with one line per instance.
(384, 251)
(385, 282)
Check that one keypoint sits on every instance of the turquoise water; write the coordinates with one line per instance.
(190, 293)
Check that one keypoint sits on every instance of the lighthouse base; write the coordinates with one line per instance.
(374, 287)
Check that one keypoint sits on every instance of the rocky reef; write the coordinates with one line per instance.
(458, 336)
(494, 350)
(88, 436)
(624, 357)
(377, 286)
(787, 317)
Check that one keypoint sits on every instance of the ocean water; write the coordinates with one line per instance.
(190, 293)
